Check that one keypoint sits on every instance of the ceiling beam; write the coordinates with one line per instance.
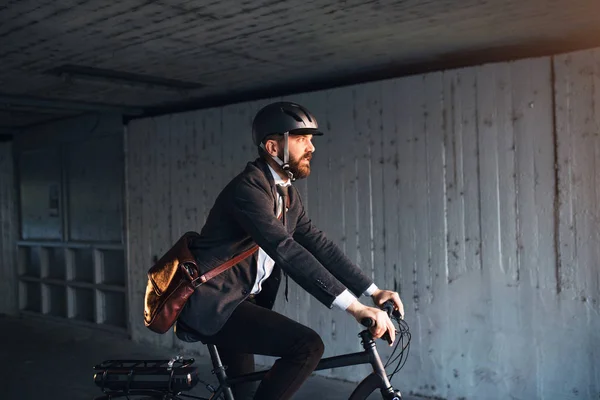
(45, 103)
(76, 72)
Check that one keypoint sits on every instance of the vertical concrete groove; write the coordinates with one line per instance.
(479, 183)
(557, 205)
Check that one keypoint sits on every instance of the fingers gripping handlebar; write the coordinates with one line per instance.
(388, 307)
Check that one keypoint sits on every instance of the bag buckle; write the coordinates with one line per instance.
(194, 282)
(191, 272)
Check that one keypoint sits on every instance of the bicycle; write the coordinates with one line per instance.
(168, 379)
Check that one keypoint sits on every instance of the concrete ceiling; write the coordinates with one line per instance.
(144, 57)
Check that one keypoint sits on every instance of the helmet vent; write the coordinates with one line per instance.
(305, 111)
(292, 114)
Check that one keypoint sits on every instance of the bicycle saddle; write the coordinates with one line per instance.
(185, 334)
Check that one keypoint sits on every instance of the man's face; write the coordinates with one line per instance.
(300, 150)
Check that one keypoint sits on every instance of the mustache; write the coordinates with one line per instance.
(308, 155)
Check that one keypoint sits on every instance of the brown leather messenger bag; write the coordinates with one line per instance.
(173, 279)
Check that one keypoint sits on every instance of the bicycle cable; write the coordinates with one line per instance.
(402, 341)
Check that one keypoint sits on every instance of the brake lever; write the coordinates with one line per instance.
(388, 307)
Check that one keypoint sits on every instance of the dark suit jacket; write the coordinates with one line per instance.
(244, 214)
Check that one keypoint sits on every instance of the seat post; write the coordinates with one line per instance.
(219, 371)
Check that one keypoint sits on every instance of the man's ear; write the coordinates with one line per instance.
(272, 147)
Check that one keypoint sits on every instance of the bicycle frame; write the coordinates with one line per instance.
(116, 377)
(368, 356)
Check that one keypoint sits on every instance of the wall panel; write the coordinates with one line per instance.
(472, 191)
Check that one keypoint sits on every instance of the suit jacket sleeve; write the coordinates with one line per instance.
(252, 208)
(331, 256)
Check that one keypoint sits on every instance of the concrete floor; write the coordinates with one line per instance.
(41, 359)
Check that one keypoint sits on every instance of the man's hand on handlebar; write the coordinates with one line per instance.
(382, 324)
(381, 296)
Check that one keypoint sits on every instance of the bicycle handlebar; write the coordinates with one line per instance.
(388, 307)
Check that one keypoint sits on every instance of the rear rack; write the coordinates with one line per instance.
(160, 378)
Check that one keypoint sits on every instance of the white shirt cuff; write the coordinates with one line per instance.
(371, 289)
(344, 300)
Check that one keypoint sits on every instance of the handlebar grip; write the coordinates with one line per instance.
(388, 307)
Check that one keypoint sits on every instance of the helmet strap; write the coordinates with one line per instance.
(285, 164)
(286, 156)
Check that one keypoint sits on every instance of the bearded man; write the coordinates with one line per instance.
(261, 206)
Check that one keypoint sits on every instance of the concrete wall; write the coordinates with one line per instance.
(83, 157)
(71, 202)
(473, 192)
(8, 231)
(571, 330)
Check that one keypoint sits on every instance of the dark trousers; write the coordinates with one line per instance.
(252, 329)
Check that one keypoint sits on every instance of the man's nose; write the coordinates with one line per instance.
(311, 147)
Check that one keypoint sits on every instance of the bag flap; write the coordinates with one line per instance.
(165, 271)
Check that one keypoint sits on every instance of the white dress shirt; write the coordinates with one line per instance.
(265, 264)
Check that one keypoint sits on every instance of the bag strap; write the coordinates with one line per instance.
(224, 267)
(228, 264)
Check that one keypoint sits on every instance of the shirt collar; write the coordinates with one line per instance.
(277, 178)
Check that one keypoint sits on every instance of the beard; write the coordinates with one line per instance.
(299, 167)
